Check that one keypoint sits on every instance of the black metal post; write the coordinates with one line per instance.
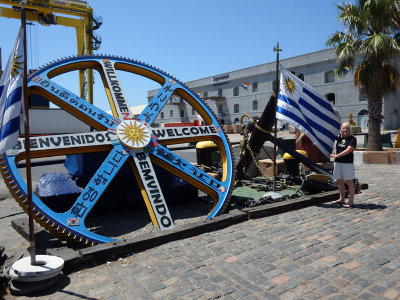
(32, 247)
(277, 50)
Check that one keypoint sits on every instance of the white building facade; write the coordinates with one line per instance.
(227, 96)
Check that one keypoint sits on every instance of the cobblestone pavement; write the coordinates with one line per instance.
(323, 251)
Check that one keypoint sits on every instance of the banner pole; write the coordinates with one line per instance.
(32, 247)
(277, 50)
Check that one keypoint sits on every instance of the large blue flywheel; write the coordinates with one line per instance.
(126, 140)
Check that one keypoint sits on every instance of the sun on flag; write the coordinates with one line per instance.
(11, 98)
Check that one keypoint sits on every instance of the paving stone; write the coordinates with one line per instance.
(280, 289)
(362, 282)
(242, 293)
(267, 268)
(377, 290)
(328, 290)
(387, 270)
(339, 297)
(155, 287)
(290, 268)
(386, 282)
(366, 296)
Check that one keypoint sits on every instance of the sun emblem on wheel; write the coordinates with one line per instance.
(133, 134)
(290, 85)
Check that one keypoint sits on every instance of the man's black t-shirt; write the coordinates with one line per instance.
(341, 145)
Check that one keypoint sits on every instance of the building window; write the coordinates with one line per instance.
(182, 113)
(254, 87)
(301, 76)
(193, 111)
(236, 108)
(331, 98)
(219, 108)
(219, 92)
(329, 76)
(171, 113)
(162, 115)
(236, 91)
(205, 95)
(255, 105)
(363, 95)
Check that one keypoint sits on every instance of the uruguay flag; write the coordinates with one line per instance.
(302, 106)
(11, 101)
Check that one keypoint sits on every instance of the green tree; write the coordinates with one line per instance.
(368, 46)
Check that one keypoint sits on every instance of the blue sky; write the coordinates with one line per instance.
(188, 39)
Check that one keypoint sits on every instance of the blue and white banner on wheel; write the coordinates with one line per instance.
(303, 107)
(11, 100)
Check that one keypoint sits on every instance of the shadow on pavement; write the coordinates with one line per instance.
(369, 206)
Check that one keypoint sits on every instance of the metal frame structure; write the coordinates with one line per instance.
(70, 13)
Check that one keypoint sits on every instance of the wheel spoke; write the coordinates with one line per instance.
(72, 103)
(184, 133)
(96, 186)
(149, 114)
(116, 95)
(151, 191)
(179, 167)
(60, 143)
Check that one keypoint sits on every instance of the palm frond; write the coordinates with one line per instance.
(381, 45)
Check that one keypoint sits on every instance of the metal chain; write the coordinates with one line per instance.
(255, 160)
(246, 144)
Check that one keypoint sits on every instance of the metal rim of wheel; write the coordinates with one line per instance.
(128, 139)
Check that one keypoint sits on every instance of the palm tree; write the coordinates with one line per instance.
(370, 43)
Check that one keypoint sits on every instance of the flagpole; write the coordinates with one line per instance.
(32, 247)
(277, 50)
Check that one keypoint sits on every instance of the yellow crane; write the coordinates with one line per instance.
(70, 13)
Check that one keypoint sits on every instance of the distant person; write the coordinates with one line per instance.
(343, 167)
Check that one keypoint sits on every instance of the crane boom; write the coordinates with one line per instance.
(70, 13)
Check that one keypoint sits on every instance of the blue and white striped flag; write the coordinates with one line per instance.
(11, 100)
(302, 106)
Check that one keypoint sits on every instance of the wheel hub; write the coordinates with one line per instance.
(133, 134)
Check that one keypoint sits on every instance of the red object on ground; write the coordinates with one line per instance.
(313, 153)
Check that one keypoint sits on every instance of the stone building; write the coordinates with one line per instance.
(229, 97)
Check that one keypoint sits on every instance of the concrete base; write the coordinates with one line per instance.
(267, 167)
(19, 288)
